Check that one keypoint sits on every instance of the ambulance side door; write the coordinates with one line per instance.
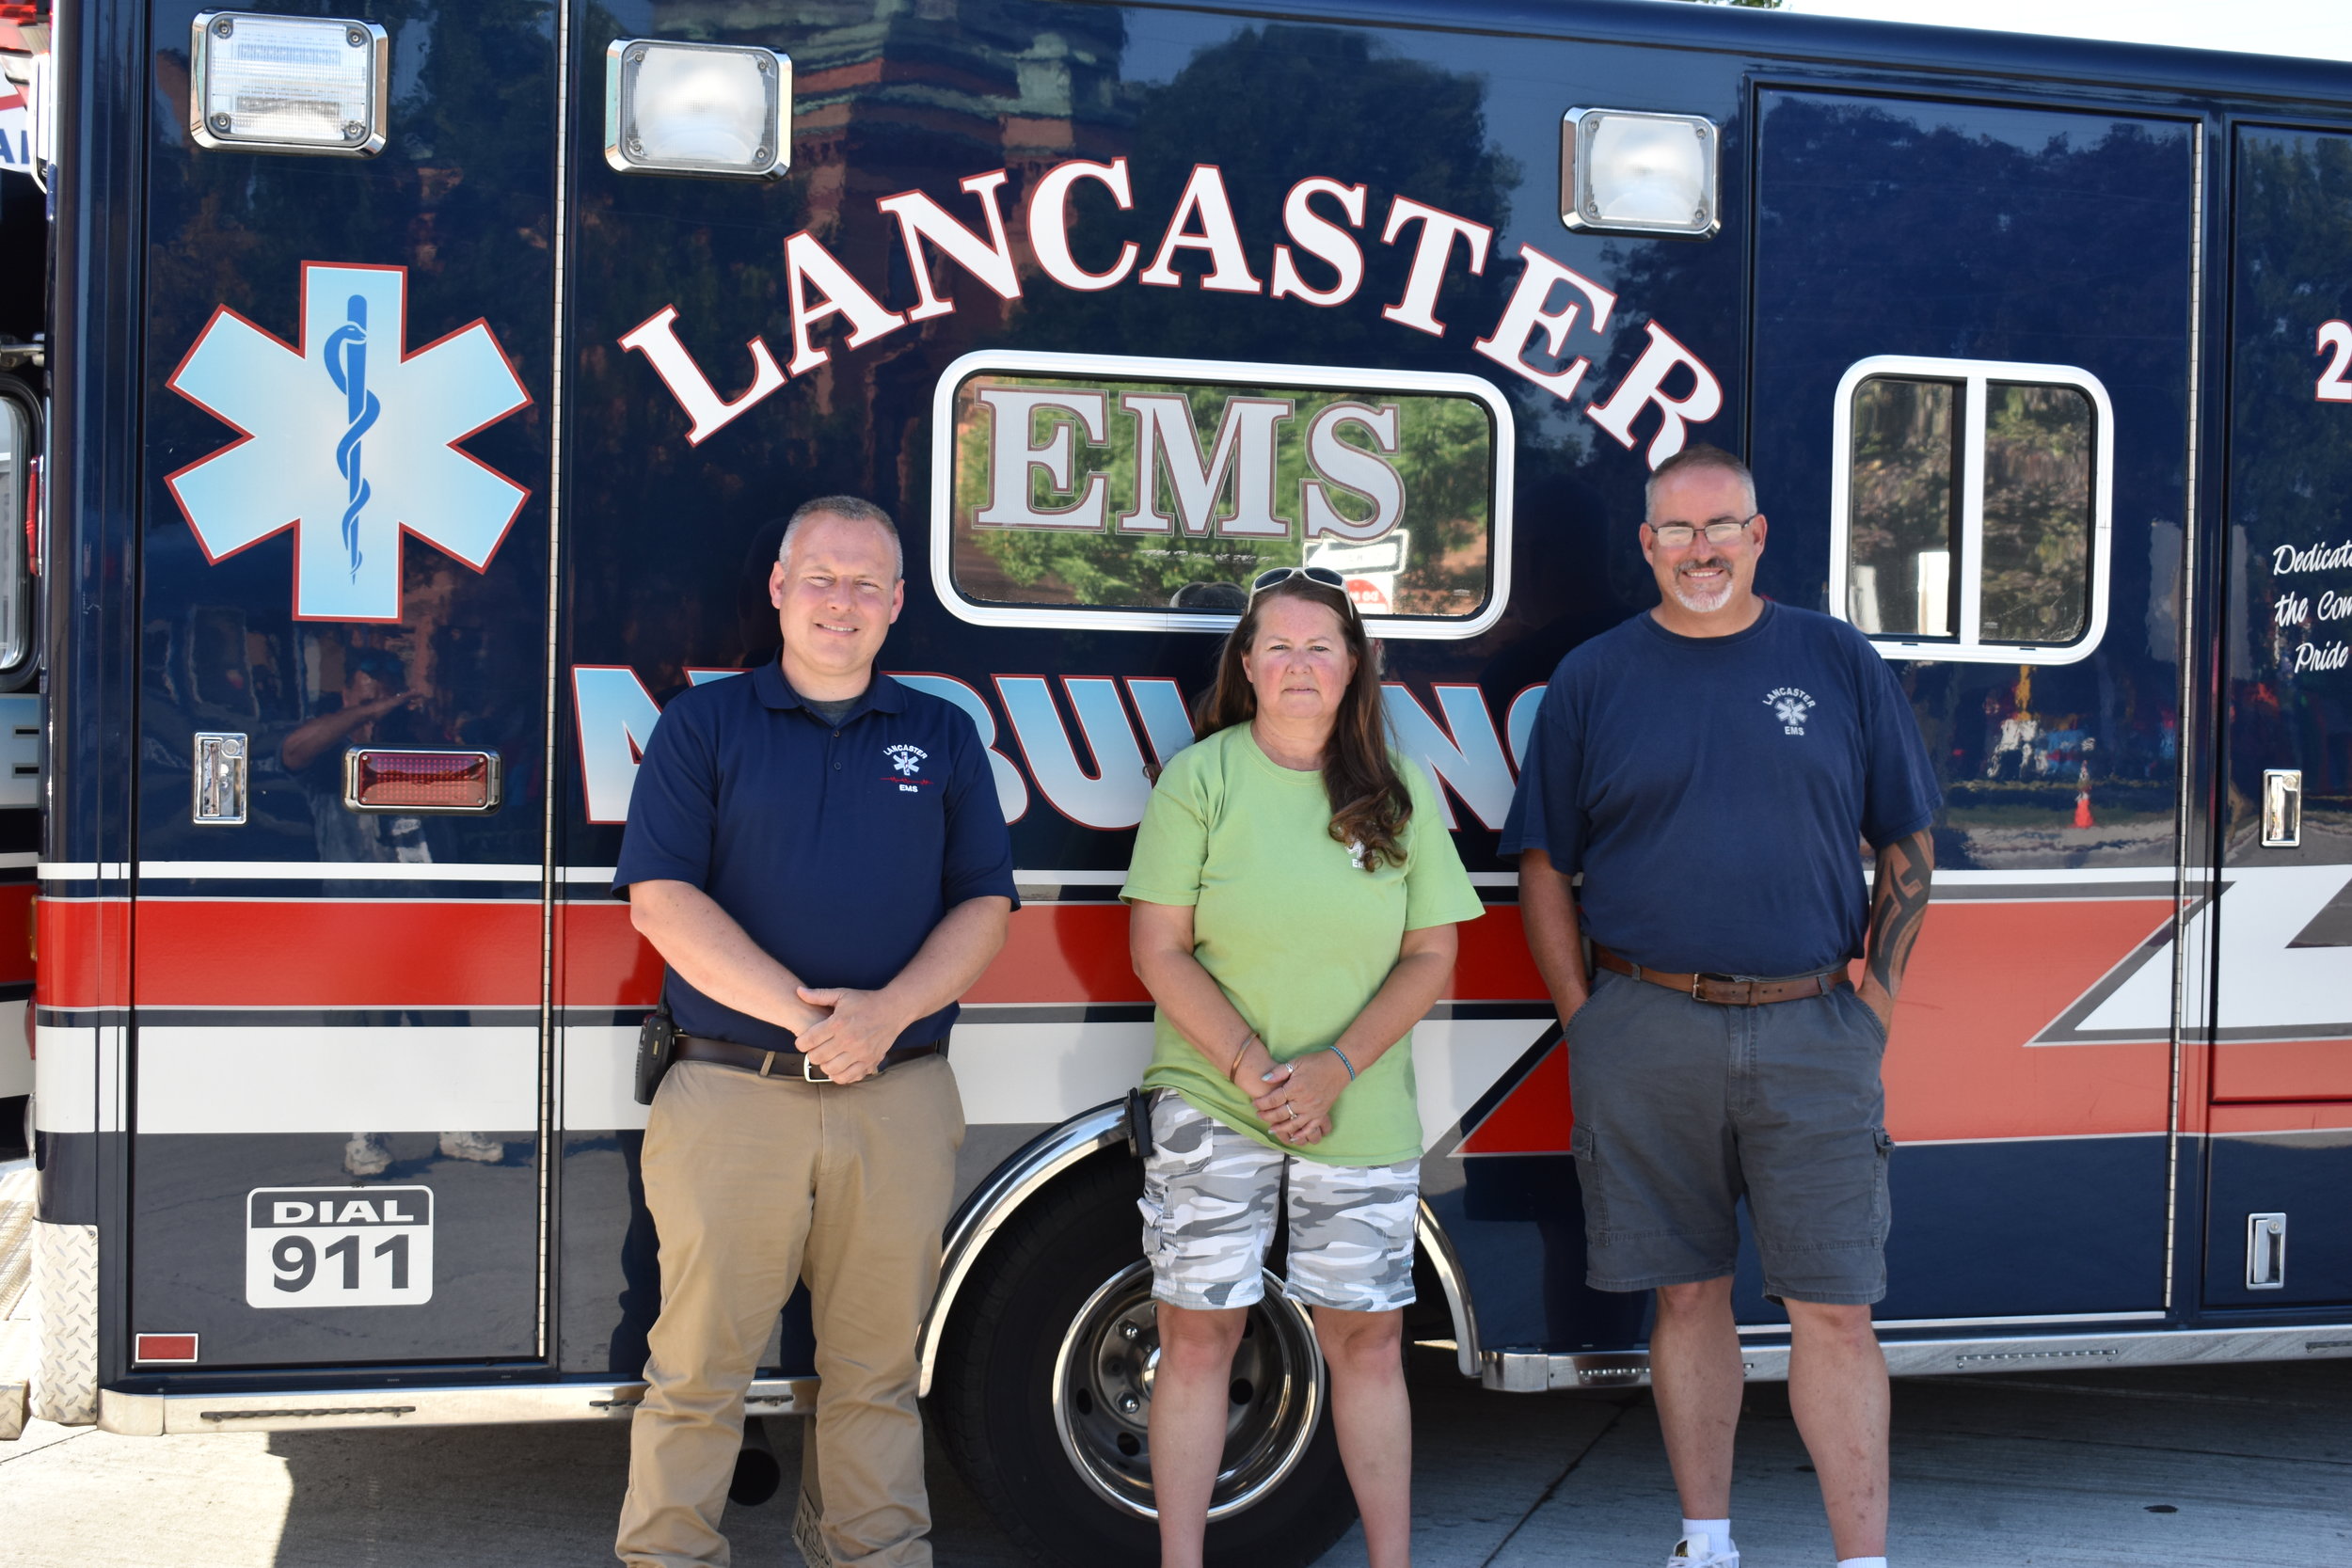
(335, 1065)
(1971, 428)
(2279, 1234)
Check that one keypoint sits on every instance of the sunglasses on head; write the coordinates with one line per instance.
(1321, 575)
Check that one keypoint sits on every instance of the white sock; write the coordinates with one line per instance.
(1861, 1562)
(1717, 1531)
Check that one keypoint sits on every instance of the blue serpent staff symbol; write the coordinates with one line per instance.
(347, 362)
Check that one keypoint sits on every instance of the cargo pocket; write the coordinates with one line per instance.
(1585, 1144)
(1154, 1215)
(1881, 1208)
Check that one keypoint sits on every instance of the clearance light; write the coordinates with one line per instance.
(1623, 172)
(284, 84)
(421, 782)
(696, 108)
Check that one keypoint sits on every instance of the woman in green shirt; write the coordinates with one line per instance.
(1293, 896)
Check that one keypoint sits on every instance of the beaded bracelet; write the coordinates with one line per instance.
(1343, 1061)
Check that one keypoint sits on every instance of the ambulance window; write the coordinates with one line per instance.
(2037, 514)
(1969, 513)
(1117, 494)
(17, 449)
(1906, 507)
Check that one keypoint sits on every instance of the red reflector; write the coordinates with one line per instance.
(165, 1347)
(421, 780)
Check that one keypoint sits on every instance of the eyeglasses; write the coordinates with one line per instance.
(1719, 531)
(1321, 575)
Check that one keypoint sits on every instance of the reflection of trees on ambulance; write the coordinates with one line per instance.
(1442, 467)
(2037, 514)
(1270, 106)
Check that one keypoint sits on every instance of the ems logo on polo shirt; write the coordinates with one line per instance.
(909, 761)
(1791, 705)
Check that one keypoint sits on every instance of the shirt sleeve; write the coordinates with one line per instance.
(1523, 824)
(1899, 792)
(1545, 811)
(1437, 891)
(979, 859)
(674, 807)
(1172, 841)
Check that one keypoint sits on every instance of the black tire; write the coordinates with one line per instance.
(1071, 1481)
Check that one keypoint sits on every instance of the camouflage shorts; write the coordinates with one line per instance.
(1210, 1199)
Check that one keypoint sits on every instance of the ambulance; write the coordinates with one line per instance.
(420, 393)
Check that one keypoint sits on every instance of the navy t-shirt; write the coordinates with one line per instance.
(1716, 791)
(837, 848)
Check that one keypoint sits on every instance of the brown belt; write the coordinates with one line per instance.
(1724, 989)
(786, 1063)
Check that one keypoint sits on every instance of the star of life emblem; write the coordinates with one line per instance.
(348, 440)
(1790, 706)
(908, 760)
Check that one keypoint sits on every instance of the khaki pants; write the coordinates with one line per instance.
(753, 1182)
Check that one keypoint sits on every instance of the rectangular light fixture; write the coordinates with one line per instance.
(154, 1348)
(420, 782)
(696, 108)
(1625, 171)
(287, 84)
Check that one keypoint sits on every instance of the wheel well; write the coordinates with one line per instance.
(1081, 1146)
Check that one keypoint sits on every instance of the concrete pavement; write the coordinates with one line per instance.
(2213, 1467)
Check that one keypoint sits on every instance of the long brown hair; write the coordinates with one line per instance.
(1369, 805)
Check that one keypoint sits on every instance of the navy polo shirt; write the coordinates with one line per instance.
(837, 850)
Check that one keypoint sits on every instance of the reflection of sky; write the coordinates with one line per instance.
(2319, 29)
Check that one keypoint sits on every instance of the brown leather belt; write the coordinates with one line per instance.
(786, 1063)
(1725, 991)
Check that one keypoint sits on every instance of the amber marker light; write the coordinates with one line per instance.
(421, 782)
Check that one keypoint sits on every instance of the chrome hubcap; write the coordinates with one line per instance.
(1110, 1358)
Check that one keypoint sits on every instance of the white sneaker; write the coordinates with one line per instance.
(366, 1154)
(472, 1146)
(1698, 1551)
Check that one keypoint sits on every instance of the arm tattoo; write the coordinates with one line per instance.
(1898, 902)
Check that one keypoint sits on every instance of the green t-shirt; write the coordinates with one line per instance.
(1299, 938)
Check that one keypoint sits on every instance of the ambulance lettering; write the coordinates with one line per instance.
(1246, 449)
(1090, 765)
(1550, 301)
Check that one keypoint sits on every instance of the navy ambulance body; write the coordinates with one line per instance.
(430, 384)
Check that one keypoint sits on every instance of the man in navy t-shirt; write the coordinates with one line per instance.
(818, 853)
(1712, 770)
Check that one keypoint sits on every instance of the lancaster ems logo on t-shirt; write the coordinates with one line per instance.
(907, 762)
(1790, 706)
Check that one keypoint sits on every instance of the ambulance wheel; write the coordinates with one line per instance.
(1044, 1392)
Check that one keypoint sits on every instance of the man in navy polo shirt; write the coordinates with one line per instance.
(1712, 768)
(818, 853)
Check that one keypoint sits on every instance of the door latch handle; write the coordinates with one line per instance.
(2265, 1252)
(2282, 807)
(220, 776)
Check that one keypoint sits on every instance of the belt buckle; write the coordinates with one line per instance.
(1698, 980)
(810, 1072)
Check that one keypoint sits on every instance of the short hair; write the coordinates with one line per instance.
(1699, 455)
(855, 509)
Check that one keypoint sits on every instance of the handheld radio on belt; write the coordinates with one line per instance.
(656, 1043)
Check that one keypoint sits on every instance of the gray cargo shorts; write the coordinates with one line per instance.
(1210, 1199)
(1684, 1107)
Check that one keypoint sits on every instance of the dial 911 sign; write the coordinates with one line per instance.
(339, 1246)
